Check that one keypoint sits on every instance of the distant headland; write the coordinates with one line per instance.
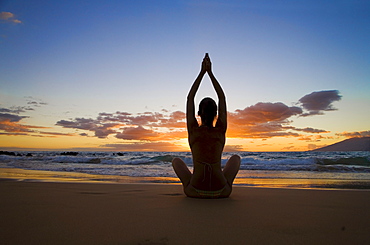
(353, 144)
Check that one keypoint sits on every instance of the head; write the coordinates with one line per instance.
(207, 111)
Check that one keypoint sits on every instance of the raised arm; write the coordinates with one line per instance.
(222, 111)
(191, 121)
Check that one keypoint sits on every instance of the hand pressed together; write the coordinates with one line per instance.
(206, 64)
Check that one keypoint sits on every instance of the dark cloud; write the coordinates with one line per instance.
(311, 130)
(35, 101)
(16, 110)
(105, 130)
(10, 117)
(31, 105)
(101, 130)
(79, 123)
(317, 102)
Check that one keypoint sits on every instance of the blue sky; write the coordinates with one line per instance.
(77, 59)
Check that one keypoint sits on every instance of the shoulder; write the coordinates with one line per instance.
(221, 125)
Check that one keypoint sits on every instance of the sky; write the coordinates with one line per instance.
(114, 75)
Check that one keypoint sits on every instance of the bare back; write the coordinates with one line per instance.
(206, 144)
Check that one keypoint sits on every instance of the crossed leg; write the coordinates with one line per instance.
(182, 171)
(231, 169)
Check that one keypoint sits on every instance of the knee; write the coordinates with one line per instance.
(176, 161)
(235, 158)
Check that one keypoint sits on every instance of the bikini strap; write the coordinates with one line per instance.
(207, 166)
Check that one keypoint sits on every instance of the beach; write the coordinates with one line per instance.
(101, 213)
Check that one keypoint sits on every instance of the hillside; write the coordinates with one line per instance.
(353, 144)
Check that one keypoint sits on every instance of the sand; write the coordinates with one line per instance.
(90, 213)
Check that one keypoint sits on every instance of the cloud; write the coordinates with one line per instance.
(35, 102)
(16, 110)
(174, 120)
(313, 138)
(137, 133)
(148, 146)
(317, 102)
(233, 148)
(263, 112)
(10, 117)
(355, 134)
(288, 148)
(310, 130)
(266, 119)
(105, 130)
(10, 123)
(262, 120)
(51, 134)
(127, 126)
(101, 130)
(9, 17)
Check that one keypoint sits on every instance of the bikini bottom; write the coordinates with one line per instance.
(209, 194)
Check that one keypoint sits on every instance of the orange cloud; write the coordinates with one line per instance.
(54, 134)
(151, 146)
(10, 122)
(14, 127)
(262, 120)
(355, 134)
(137, 133)
(312, 138)
(9, 17)
(233, 148)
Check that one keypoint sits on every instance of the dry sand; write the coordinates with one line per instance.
(86, 213)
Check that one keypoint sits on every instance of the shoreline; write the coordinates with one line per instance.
(104, 213)
(27, 175)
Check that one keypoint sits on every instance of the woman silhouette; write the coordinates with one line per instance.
(207, 141)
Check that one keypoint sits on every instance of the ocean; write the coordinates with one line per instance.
(340, 170)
